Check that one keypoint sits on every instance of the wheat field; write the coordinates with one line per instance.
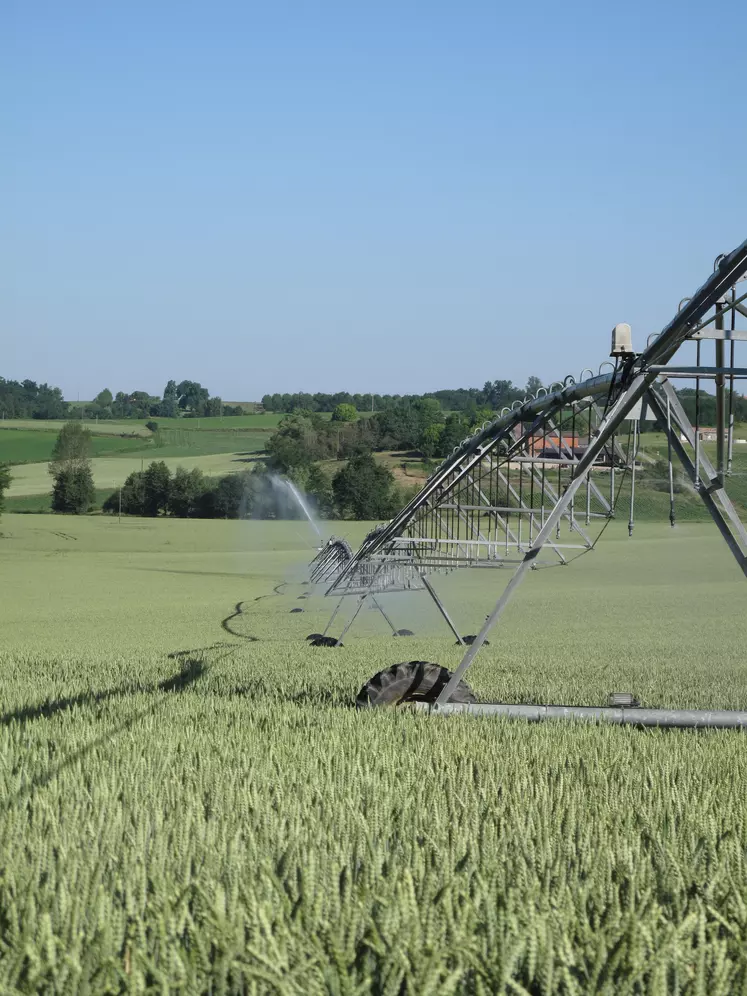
(189, 802)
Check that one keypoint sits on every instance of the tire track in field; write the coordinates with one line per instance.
(239, 610)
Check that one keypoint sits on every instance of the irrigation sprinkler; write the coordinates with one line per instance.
(506, 497)
(331, 562)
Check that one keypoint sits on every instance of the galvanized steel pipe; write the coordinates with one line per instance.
(714, 719)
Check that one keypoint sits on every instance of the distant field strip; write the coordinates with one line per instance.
(110, 472)
(267, 420)
(173, 442)
(30, 446)
(129, 427)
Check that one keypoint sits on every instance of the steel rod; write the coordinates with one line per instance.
(669, 463)
(720, 397)
(332, 617)
(719, 370)
(740, 373)
(700, 719)
(442, 609)
(730, 429)
(631, 517)
(440, 541)
(490, 509)
(358, 607)
(381, 610)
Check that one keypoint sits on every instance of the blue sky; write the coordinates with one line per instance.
(321, 196)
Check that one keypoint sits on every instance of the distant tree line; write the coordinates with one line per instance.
(188, 399)
(493, 394)
(27, 399)
(187, 494)
(362, 489)
(421, 425)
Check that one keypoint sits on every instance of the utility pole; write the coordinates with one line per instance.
(120, 502)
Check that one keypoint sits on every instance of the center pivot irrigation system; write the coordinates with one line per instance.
(566, 455)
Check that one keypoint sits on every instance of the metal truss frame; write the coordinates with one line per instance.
(451, 531)
(438, 530)
(332, 560)
(638, 379)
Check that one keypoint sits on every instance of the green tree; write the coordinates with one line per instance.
(141, 404)
(104, 398)
(121, 405)
(169, 407)
(364, 489)
(186, 493)
(5, 479)
(73, 491)
(144, 492)
(132, 495)
(481, 416)
(430, 439)
(156, 488)
(345, 413)
(193, 397)
(72, 447)
(228, 499)
(301, 440)
(70, 467)
(319, 486)
(456, 429)
(533, 385)
(429, 412)
(398, 427)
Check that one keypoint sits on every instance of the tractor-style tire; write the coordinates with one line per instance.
(326, 641)
(416, 681)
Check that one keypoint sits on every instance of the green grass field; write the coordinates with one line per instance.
(29, 446)
(174, 442)
(260, 420)
(216, 452)
(43, 502)
(188, 802)
(129, 427)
